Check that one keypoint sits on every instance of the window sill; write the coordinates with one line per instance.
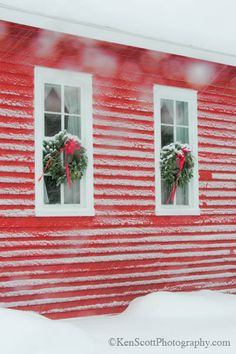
(47, 211)
(167, 211)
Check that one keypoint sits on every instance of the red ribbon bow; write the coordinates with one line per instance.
(70, 147)
(181, 156)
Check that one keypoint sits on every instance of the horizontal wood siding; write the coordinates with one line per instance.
(76, 266)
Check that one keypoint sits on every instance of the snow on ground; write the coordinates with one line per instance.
(170, 323)
(29, 333)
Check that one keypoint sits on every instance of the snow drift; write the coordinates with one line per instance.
(29, 333)
(192, 305)
(201, 322)
(191, 321)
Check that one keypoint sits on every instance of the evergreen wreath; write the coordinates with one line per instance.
(64, 158)
(177, 164)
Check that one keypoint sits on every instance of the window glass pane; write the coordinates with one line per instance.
(72, 193)
(182, 195)
(52, 193)
(165, 192)
(181, 113)
(167, 111)
(167, 135)
(73, 125)
(52, 124)
(72, 100)
(182, 135)
(52, 101)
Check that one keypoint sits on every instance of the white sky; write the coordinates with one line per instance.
(205, 24)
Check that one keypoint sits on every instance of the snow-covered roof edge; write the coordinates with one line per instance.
(87, 30)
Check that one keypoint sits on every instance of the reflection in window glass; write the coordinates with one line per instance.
(182, 135)
(182, 197)
(165, 192)
(52, 102)
(181, 113)
(167, 135)
(73, 125)
(72, 100)
(52, 193)
(167, 111)
(72, 193)
(52, 124)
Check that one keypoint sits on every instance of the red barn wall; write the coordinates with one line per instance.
(75, 266)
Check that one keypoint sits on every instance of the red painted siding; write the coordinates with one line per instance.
(64, 267)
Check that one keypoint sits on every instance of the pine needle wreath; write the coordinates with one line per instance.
(170, 169)
(57, 163)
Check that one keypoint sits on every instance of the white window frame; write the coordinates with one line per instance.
(190, 96)
(84, 82)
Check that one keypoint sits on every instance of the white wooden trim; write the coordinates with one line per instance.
(64, 211)
(190, 96)
(84, 81)
(63, 25)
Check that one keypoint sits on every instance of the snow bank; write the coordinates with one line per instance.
(172, 321)
(29, 333)
(188, 305)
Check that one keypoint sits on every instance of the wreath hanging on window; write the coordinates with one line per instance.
(64, 158)
(177, 165)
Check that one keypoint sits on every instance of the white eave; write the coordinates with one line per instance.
(109, 34)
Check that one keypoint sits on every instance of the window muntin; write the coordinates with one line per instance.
(63, 101)
(175, 116)
(61, 111)
(174, 127)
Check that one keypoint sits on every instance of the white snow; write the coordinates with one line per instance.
(188, 320)
(206, 315)
(202, 304)
(200, 73)
(207, 24)
(29, 333)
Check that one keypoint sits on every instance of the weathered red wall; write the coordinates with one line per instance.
(76, 266)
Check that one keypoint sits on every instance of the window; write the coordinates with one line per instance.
(175, 118)
(63, 100)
